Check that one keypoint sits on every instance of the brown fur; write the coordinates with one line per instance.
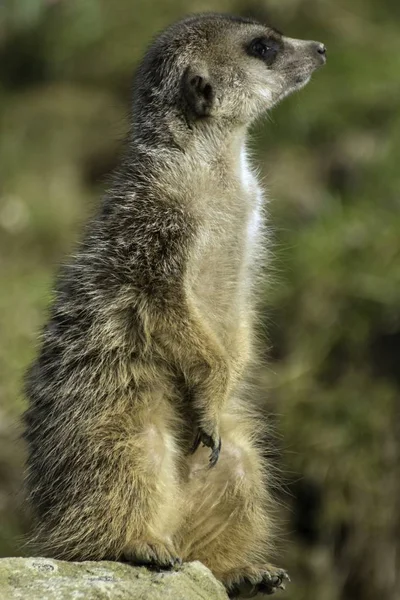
(150, 336)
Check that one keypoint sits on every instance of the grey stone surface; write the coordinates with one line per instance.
(47, 579)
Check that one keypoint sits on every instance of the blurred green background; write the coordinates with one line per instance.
(330, 156)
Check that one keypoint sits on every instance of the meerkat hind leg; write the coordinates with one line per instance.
(158, 515)
(228, 526)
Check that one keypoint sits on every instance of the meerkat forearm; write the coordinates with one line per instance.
(206, 368)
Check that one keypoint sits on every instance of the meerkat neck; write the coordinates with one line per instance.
(168, 140)
(218, 143)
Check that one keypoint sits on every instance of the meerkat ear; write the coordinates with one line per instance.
(198, 92)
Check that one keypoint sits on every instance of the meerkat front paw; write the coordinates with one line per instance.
(211, 440)
(152, 554)
(247, 582)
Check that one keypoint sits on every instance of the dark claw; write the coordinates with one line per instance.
(154, 564)
(215, 455)
(277, 582)
(177, 561)
(203, 438)
(269, 582)
(282, 577)
(207, 440)
(196, 443)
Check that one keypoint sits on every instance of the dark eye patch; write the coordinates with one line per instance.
(266, 49)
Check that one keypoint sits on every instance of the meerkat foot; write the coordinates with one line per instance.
(249, 581)
(212, 441)
(158, 555)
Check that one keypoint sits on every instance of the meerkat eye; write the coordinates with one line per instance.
(264, 49)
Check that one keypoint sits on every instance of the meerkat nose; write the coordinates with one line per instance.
(321, 49)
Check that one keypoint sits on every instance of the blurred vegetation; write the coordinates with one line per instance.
(331, 158)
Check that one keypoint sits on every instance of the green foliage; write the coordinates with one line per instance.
(330, 156)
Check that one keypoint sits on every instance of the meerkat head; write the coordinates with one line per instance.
(222, 69)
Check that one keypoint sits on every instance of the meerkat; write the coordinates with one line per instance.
(142, 443)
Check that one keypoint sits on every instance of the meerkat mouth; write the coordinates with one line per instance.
(300, 81)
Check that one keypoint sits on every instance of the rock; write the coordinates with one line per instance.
(47, 579)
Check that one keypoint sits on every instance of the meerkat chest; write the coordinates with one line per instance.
(226, 248)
